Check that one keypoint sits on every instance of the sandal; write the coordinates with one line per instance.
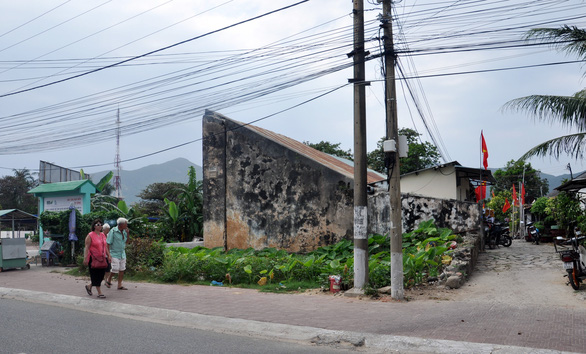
(102, 296)
(89, 290)
(122, 288)
(108, 284)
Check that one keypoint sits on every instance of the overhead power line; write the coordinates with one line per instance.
(154, 51)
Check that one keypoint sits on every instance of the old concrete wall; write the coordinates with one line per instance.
(259, 192)
(456, 215)
(274, 196)
(214, 178)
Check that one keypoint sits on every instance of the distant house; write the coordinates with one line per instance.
(446, 181)
(577, 185)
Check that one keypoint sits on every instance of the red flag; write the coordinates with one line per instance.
(507, 206)
(522, 194)
(515, 201)
(480, 192)
(484, 152)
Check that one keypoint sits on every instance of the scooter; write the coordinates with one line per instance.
(574, 258)
(532, 234)
(498, 235)
(505, 238)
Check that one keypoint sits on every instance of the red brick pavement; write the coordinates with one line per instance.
(547, 326)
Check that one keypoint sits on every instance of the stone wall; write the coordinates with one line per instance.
(456, 215)
(261, 190)
(263, 194)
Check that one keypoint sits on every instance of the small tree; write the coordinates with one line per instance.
(565, 210)
(190, 205)
(332, 149)
(498, 202)
(153, 197)
(516, 172)
(421, 155)
(13, 191)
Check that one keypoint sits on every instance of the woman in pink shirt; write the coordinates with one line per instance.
(95, 255)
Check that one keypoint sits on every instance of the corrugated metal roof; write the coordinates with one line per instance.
(60, 186)
(321, 157)
(10, 214)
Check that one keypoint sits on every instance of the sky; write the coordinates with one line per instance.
(69, 69)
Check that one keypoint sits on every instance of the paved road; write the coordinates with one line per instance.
(476, 318)
(63, 330)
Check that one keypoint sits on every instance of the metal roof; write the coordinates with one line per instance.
(15, 214)
(574, 185)
(467, 172)
(339, 165)
(60, 186)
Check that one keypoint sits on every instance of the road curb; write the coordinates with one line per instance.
(266, 330)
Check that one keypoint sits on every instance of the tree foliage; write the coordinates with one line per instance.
(565, 210)
(421, 155)
(516, 172)
(13, 191)
(332, 149)
(497, 203)
(569, 111)
(152, 201)
(182, 210)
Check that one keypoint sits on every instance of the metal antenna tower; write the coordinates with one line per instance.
(117, 182)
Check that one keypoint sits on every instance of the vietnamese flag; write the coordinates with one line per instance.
(507, 206)
(484, 152)
(522, 194)
(480, 192)
(515, 201)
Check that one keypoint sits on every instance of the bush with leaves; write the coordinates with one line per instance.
(565, 210)
(425, 253)
(143, 255)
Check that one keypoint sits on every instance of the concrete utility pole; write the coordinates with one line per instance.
(396, 227)
(117, 178)
(360, 199)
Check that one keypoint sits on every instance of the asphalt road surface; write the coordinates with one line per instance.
(30, 328)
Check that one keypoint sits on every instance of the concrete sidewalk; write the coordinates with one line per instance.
(417, 326)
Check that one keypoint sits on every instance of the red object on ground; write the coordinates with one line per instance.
(335, 281)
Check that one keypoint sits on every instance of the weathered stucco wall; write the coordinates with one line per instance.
(456, 215)
(213, 187)
(261, 193)
(273, 196)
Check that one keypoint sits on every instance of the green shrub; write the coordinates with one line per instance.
(423, 250)
(143, 255)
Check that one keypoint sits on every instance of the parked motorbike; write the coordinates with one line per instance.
(573, 254)
(505, 238)
(532, 234)
(496, 235)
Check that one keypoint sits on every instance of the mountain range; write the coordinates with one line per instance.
(134, 182)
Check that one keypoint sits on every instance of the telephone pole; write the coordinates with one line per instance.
(396, 227)
(117, 181)
(360, 198)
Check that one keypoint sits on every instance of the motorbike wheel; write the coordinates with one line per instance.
(574, 279)
(507, 241)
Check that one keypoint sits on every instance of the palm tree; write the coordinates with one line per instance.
(570, 111)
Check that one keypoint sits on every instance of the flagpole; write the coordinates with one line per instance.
(481, 156)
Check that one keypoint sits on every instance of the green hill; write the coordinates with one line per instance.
(134, 182)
